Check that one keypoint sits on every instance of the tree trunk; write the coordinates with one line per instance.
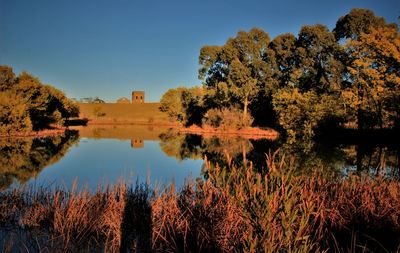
(359, 119)
(380, 117)
(246, 103)
(398, 161)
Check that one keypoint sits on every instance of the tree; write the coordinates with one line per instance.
(284, 47)
(7, 78)
(193, 105)
(367, 66)
(374, 71)
(123, 100)
(309, 81)
(14, 115)
(239, 71)
(98, 100)
(171, 103)
(317, 60)
(36, 105)
(358, 21)
(92, 100)
(300, 113)
(242, 85)
(184, 105)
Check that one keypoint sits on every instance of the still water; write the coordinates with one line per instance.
(98, 155)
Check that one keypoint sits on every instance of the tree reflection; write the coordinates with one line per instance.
(342, 159)
(306, 157)
(24, 158)
(224, 151)
(228, 151)
(181, 146)
(375, 160)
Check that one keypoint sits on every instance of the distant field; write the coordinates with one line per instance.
(147, 113)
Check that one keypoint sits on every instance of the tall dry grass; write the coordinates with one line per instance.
(235, 209)
(198, 218)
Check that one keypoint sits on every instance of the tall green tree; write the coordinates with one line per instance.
(309, 81)
(317, 59)
(193, 104)
(284, 48)
(239, 71)
(365, 56)
(27, 104)
(7, 78)
(184, 105)
(14, 116)
(172, 104)
(356, 22)
(242, 85)
(374, 69)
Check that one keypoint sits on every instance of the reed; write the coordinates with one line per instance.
(235, 209)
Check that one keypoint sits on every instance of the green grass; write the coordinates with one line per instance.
(113, 113)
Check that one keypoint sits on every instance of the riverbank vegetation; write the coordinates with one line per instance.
(27, 105)
(244, 132)
(314, 82)
(234, 209)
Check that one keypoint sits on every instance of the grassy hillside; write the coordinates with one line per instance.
(147, 113)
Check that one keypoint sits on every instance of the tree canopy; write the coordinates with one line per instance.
(347, 77)
(27, 104)
(184, 105)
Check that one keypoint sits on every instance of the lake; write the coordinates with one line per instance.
(95, 156)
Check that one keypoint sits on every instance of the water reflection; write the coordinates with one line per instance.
(340, 159)
(181, 146)
(24, 158)
(135, 143)
(122, 132)
(107, 153)
(359, 158)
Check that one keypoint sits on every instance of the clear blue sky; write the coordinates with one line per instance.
(108, 48)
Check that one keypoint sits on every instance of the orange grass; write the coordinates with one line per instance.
(248, 133)
(233, 210)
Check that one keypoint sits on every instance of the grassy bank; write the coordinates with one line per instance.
(51, 131)
(113, 113)
(254, 133)
(235, 209)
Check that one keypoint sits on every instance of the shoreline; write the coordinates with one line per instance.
(118, 123)
(206, 131)
(41, 133)
(250, 132)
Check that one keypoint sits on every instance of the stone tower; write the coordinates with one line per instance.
(137, 96)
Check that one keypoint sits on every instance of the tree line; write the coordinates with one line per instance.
(347, 77)
(28, 105)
